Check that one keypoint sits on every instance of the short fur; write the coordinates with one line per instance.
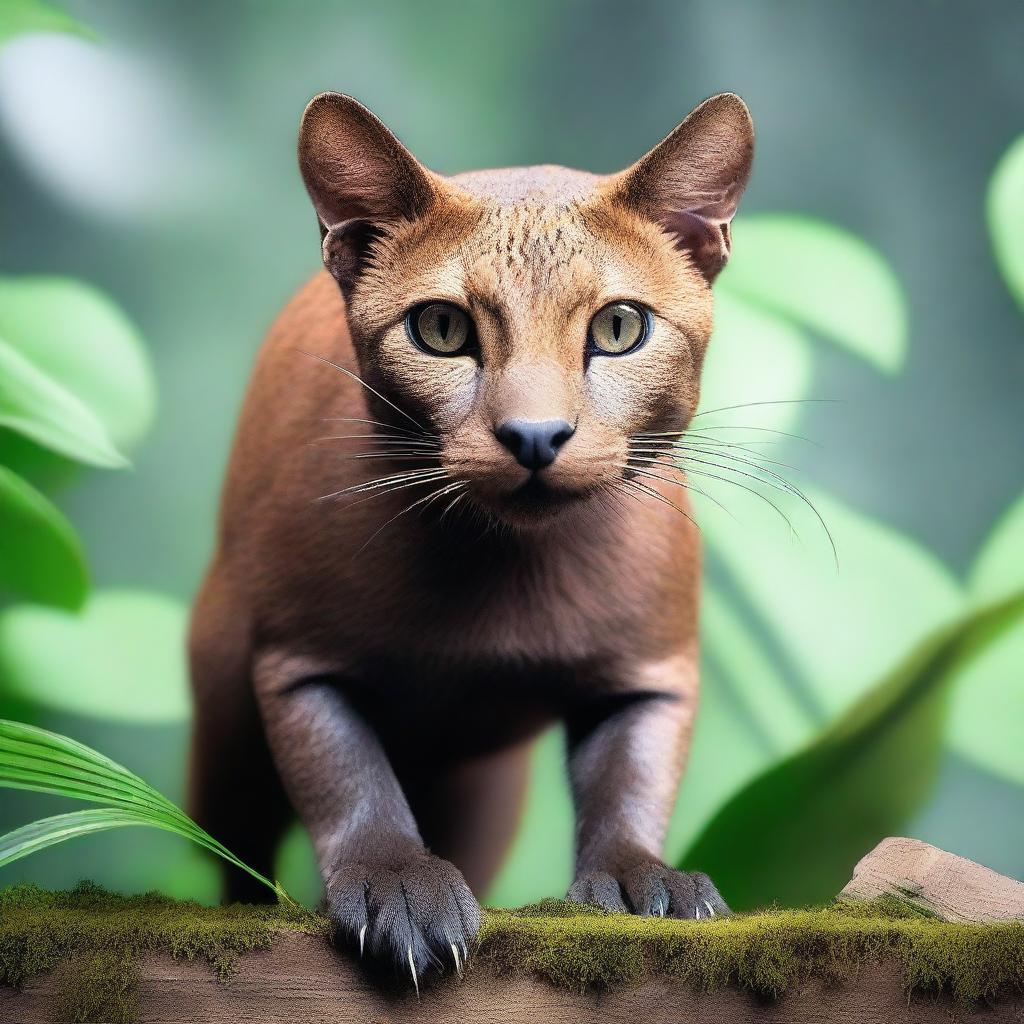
(380, 659)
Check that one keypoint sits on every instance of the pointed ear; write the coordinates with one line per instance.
(359, 177)
(691, 182)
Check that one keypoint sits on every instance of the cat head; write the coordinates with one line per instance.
(532, 320)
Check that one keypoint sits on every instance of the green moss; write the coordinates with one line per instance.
(93, 940)
(765, 953)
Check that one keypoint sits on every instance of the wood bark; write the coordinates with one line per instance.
(952, 887)
(302, 979)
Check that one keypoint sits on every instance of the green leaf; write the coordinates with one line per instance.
(986, 720)
(74, 335)
(728, 750)
(749, 717)
(18, 17)
(34, 759)
(998, 569)
(1005, 209)
(838, 628)
(754, 357)
(823, 278)
(121, 658)
(41, 556)
(38, 407)
(988, 703)
(758, 686)
(794, 834)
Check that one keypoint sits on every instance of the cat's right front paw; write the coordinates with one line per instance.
(418, 919)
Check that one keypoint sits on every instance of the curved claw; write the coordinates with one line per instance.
(455, 955)
(711, 909)
(415, 978)
(362, 940)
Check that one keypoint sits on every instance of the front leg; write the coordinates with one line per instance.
(626, 756)
(387, 896)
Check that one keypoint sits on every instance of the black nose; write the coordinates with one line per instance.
(534, 443)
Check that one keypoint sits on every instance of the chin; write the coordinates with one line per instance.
(536, 504)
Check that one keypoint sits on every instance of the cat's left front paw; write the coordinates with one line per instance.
(650, 889)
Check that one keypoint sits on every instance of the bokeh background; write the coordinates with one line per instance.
(152, 222)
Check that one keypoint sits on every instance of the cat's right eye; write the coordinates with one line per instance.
(441, 329)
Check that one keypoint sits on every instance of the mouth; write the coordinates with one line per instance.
(536, 500)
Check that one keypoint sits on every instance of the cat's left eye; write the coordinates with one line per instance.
(619, 328)
(441, 329)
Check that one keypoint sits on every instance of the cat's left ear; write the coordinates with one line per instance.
(691, 182)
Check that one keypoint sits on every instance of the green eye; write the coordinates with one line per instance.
(619, 328)
(441, 328)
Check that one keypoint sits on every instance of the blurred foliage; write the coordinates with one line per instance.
(1006, 218)
(21, 16)
(121, 657)
(824, 279)
(796, 742)
(46, 563)
(859, 780)
(75, 386)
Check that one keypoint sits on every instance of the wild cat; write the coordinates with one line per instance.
(487, 537)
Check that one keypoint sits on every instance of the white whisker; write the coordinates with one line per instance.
(408, 508)
(383, 482)
(359, 380)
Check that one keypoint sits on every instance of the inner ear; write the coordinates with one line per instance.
(359, 177)
(691, 182)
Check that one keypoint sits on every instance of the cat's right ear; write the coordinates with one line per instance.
(359, 177)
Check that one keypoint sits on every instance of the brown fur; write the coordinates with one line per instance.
(400, 659)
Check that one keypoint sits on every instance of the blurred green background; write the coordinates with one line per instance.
(879, 265)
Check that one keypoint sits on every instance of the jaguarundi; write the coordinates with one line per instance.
(452, 517)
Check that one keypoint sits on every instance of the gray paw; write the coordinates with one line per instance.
(418, 920)
(650, 889)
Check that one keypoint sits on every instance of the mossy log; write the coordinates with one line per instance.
(89, 955)
(300, 979)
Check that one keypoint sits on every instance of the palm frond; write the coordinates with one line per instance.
(35, 759)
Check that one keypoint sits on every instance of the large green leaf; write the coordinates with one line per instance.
(75, 336)
(45, 762)
(987, 718)
(793, 835)
(728, 750)
(838, 627)
(1005, 208)
(758, 368)
(41, 557)
(823, 278)
(35, 405)
(121, 658)
(998, 569)
(19, 17)
(757, 684)
(749, 717)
